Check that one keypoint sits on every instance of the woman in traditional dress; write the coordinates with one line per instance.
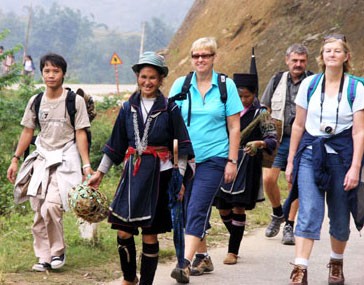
(258, 134)
(142, 137)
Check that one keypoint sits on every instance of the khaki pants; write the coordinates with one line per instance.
(47, 228)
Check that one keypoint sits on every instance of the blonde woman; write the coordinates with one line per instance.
(325, 156)
(214, 128)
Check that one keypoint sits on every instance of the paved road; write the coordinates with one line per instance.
(266, 261)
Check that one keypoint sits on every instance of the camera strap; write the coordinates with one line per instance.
(338, 97)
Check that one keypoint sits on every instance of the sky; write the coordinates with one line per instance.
(122, 15)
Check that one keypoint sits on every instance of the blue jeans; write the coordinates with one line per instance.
(204, 188)
(312, 200)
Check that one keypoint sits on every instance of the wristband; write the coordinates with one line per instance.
(86, 165)
(233, 161)
(17, 157)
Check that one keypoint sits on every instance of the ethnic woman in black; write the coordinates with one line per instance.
(258, 134)
(142, 138)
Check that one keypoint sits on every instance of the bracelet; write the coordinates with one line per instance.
(17, 157)
(86, 165)
(233, 161)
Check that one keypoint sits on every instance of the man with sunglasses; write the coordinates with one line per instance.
(279, 97)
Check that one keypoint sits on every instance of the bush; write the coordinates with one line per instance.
(100, 129)
(108, 102)
(12, 105)
(11, 109)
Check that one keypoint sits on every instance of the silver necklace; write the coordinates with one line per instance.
(142, 144)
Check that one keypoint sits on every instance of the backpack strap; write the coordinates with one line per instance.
(71, 106)
(352, 90)
(185, 92)
(313, 85)
(187, 83)
(276, 79)
(223, 94)
(279, 75)
(36, 106)
(222, 87)
(353, 83)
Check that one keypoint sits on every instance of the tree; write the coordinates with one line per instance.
(157, 35)
(86, 45)
(14, 75)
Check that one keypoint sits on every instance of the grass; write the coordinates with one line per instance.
(93, 262)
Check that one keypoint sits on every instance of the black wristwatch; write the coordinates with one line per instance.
(233, 161)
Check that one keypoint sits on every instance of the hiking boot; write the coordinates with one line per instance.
(336, 274)
(135, 282)
(231, 258)
(288, 237)
(298, 275)
(182, 275)
(41, 266)
(201, 265)
(58, 261)
(274, 226)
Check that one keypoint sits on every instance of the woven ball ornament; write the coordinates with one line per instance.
(88, 203)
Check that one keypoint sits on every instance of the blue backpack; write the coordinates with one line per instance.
(353, 83)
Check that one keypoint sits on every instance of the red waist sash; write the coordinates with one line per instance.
(161, 151)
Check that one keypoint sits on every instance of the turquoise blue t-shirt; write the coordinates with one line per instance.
(207, 128)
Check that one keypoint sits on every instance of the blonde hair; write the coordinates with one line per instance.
(208, 43)
(320, 58)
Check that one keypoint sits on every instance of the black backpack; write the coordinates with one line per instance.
(185, 91)
(71, 109)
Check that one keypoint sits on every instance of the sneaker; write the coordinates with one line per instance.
(58, 261)
(336, 274)
(288, 237)
(231, 258)
(182, 275)
(201, 265)
(298, 276)
(41, 266)
(274, 226)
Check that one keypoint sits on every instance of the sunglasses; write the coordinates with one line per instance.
(203, 56)
(335, 36)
